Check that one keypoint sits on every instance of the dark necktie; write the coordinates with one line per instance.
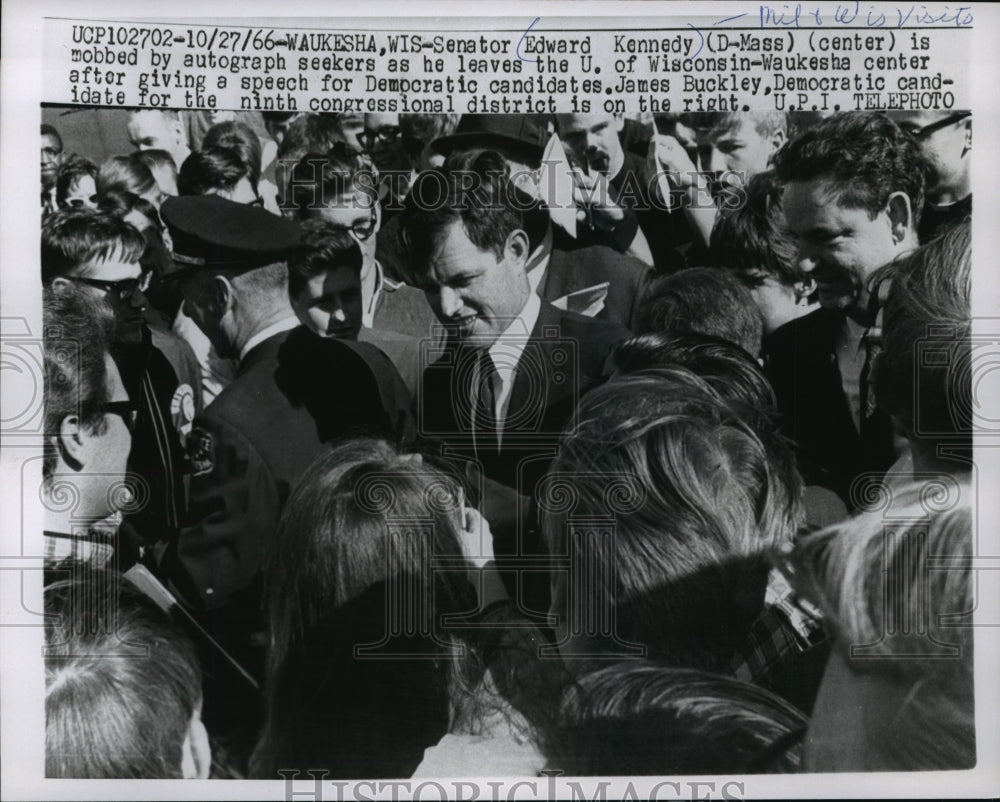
(485, 420)
(872, 342)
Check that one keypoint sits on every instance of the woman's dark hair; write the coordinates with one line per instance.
(124, 173)
(71, 171)
(241, 139)
(211, 169)
(364, 572)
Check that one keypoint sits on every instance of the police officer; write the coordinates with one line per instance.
(252, 443)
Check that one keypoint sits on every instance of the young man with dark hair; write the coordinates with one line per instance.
(324, 284)
(100, 254)
(341, 188)
(581, 275)
(88, 428)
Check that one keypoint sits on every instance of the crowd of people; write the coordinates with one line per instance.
(426, 445)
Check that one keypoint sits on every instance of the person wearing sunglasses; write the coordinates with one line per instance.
(99, 254)
(76, 184)
(89, 420)
(945, 140)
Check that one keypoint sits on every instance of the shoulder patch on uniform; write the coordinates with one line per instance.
(200, 448)
(182, 402)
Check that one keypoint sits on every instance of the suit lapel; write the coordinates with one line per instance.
(523, 394)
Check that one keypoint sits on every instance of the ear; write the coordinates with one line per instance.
(196, 756)
(900, 217)
(777, 140)
(223, 297)
(72, 441)
(516, 248)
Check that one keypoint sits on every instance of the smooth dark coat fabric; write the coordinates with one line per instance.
(574, 266)
(566, 354)
(293, 393)
(801, 363)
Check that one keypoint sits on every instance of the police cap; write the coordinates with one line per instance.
(216, 234)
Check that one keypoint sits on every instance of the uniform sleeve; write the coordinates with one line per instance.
(234, 512)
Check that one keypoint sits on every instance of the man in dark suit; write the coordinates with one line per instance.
(293, 392)
(505, 386)
(592, 272)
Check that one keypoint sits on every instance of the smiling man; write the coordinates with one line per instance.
(854, 188)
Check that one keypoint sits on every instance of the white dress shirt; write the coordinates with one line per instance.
(506, 353)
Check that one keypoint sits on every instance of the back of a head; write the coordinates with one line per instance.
(241, 139)
(696, 497)
(73, 237)
(729, 369)
(923, 374)
(703, 300)
(124, 173)
(752, 239)
(638, 718)
(211, 170)
(122, 683)
(863, 156)
(359, 547)
(896, 588)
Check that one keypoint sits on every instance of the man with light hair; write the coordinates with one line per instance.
(159, 129)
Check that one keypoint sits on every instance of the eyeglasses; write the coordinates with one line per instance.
(79, 203)
(126, 410)
(361, 230)
(925, 131)
(124, 288)
(384, 135)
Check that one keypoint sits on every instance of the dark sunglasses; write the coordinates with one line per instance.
(927, 130)
(124, 288)
(79, 203)
(386, 135)
(126, 410)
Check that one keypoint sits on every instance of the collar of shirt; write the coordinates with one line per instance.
(506, 352)
(538, 263)
(368, 314)
(285, 324)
